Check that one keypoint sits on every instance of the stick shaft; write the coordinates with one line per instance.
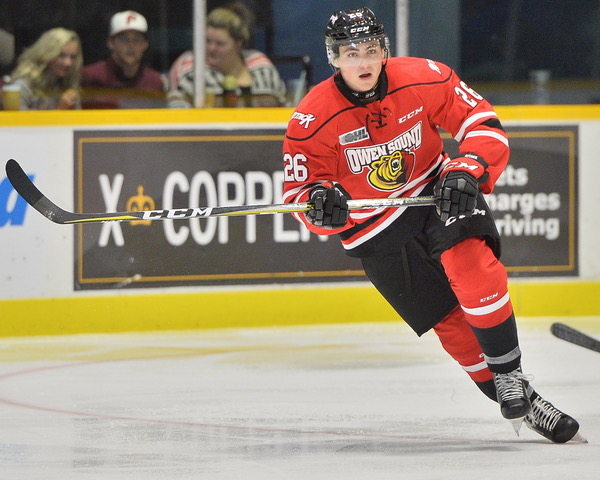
(574, 336)
(25, 187)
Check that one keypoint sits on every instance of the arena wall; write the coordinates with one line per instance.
(54, 280)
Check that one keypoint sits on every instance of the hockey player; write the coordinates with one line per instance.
(371, 130)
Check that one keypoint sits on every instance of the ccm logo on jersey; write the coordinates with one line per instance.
(354, 136)
(410, 115)
(304, 119)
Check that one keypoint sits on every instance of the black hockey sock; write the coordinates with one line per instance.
(488, 388)
(500, 345)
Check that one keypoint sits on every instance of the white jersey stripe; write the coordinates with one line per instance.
(399, 211)
(388, 221)
(407, 187)
(469, 121)
(497, 305)
(487, 133)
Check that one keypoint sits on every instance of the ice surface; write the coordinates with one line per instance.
(367, 401)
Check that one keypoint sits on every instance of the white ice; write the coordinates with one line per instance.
(366, 401)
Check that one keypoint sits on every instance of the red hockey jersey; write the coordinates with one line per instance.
(388, 148)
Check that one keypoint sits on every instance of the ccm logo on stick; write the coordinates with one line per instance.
(177, 213)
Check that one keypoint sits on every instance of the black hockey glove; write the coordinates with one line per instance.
(455, 194)
(330, 206)
(458, 186)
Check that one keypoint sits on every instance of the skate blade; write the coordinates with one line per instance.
(578, 438)
(516, 423)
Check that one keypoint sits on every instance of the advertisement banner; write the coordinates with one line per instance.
(144, 170)
(534, 205)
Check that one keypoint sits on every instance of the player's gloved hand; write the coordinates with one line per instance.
(458, 186)
(330, 206)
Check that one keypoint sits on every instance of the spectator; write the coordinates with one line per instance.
(124, 69)
(7, 49)
(228, 34)
(48, 72)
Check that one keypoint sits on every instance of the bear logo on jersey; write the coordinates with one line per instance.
(392, 171)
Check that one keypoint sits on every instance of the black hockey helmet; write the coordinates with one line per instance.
(356, 25)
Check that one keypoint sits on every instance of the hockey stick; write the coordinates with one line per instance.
(25, 187)
(569, 334)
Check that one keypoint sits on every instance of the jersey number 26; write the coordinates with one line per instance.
(294, 169)
(468, 95)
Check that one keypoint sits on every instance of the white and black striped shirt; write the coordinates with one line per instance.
(265, 79)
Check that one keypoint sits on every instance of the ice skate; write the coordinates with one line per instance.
(550, 422)
(512, 397)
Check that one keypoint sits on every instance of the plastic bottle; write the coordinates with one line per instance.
(209, 97)
(230, 96)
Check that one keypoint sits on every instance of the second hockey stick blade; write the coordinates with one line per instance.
(25, 187)
(572, 335)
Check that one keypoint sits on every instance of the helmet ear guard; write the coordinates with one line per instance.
(357, 25)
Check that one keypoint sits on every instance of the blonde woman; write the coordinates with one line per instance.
(48, 72)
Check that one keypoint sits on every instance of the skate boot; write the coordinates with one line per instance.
(511, 390)
(550, 422)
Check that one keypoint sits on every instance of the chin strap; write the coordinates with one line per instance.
(367, 95)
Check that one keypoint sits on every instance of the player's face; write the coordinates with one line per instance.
(221, 48)
(360, 65)
(62, 66)
(128, 47)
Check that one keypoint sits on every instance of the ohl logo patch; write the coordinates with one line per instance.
(392, 171)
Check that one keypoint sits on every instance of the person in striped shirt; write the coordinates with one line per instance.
(256, 79)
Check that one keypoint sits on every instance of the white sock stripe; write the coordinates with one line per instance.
(475, 368)
(497, 305)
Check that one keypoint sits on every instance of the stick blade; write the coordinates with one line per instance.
(21, 182)
(32, 195)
